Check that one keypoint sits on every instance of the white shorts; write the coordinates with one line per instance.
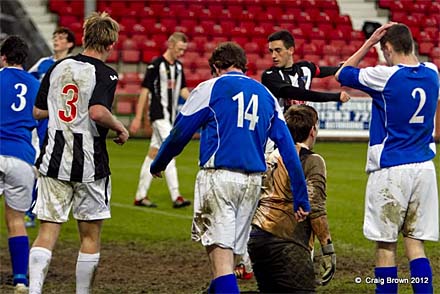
(17, 179)
(89, 201)
(224, 204)
(161, 130)
(402, 199)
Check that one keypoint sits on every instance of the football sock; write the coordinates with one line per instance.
(86, 266)
(145, 179)
(172, 180)
(224, 284)
(19, 252)
(382, 273)
(39, 261)
(421, 275)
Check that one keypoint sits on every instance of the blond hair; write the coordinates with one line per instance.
(100, 31)
(176, 37)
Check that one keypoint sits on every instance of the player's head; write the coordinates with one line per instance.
(281, 47)
(63, 39)
(302, 122)
(397, 40)
(100, 32)
(14, 51)
(177, 44)
(227, 55)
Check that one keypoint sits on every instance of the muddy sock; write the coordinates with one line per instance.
(421, 275)
(85, 271)
(172, 180)
(39, 260)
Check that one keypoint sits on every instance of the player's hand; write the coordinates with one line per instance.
(328, 263)
(122, 137)
(379, 33)
(300, 215)
(135, 125)
(344, 97)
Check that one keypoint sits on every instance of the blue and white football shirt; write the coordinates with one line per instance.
(403, 110)
(237, 114)
(17, 97)
(40, 68)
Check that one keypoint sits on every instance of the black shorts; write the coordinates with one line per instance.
(280, 266)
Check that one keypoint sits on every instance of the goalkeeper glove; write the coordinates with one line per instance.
(328, 263)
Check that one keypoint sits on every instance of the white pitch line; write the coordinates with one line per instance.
(150, 210)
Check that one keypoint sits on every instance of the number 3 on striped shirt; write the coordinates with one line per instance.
(69, 114)
(244, 114)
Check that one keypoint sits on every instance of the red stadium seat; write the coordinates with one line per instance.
(435, 53)
(330, 50)
(129, 44)
(130, 56)
(319, 84)
(130, 78)
(312, 58)
(124, 107)
(425, 48)
(264, 63)
(149, 55)
(114, 56)
(251, 47)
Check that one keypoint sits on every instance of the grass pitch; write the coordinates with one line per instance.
(149, 250)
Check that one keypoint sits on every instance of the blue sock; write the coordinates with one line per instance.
(421, 275)
(382, 273)
(224, 284)
(19, 251)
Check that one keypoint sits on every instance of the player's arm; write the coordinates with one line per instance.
(184, 92)
(40, 113)
(40, 110)
(326, 71)
(103, 117)
(315, 170)
(181, 133)
(291, 92)
(360, 54)
(437, 122)
(140, 108)
(283, 89)
(194, 113)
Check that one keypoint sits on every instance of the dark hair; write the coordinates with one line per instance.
(69, 33)
(283, 35)
(15, 50)
(300, 120)
(400, 37)
(228, 54)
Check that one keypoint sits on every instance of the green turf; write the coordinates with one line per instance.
(346, 186)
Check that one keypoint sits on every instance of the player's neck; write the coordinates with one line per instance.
(60, 55)
(94, 54)
(168, 57)
(410, 59)
(18, 66)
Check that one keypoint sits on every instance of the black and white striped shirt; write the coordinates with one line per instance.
(164, 81)
(75, 148)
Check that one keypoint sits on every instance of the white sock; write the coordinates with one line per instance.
(86, 265)
(145, 179)
(172, 181)
(39, 261)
